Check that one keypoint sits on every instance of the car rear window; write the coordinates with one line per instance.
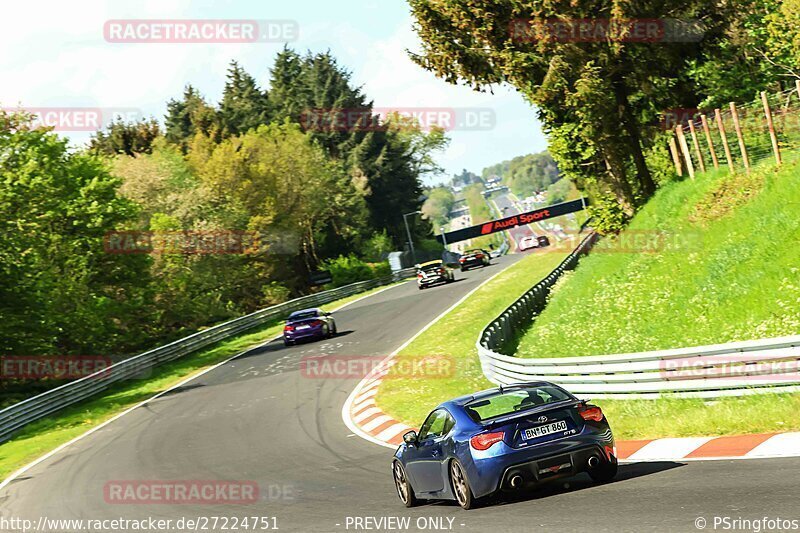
(301, 316)
(428, 268)
(513, 401)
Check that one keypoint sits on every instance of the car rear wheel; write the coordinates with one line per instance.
(403, 486)
(287, 342)
(604, 473)
(460, 485)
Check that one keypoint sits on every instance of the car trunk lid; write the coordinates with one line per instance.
(539, 424)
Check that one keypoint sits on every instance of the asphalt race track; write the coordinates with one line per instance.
(260, 418)
(507, 209)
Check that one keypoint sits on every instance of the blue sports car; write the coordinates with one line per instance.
(506, 438)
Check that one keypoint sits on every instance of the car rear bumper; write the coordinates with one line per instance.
(489, 473)
(431, 281)
(472, 263)
(311, 333)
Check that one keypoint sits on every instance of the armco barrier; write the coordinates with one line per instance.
(16, 416)
(733, 369)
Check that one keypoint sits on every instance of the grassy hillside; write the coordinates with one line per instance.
(728, 270)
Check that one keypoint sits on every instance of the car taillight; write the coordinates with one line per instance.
(288, 328)
(484, 441)
(419, 275)
(315, 323)
(442, 271)
(479, 256)
(591, 412)
(462, 259)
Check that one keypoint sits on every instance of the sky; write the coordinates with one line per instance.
(55, 55)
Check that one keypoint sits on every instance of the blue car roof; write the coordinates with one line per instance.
(303, 311)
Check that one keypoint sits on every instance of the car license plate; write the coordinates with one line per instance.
(303, 327)
(547, 429)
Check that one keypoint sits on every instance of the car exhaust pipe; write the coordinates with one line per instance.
(594, 462)
(516, 481)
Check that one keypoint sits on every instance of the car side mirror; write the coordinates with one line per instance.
(410, 437)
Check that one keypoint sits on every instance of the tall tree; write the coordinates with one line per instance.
(594, 96)
(189, 116)
(128, 138)
(244, 106)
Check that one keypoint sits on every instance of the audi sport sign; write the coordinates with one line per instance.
(507, 223)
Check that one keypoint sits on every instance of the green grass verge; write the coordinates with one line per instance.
(453, 337)
(44, 435)
(689, 417)
(737, 279)
(732, 273)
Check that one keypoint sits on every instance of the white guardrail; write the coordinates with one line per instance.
(18, 415)
(733, 369)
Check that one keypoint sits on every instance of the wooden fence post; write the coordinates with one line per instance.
(768, 113)
(797, 84)
(710, 141)
(676, 158)
(739, 135)
(685, 149)
(721, 128)
(696, 144)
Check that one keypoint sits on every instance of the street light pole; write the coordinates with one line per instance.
(408, 233)
(444, 238)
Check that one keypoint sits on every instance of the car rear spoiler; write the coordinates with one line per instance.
(505, 419)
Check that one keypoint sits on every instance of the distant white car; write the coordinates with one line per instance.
(527, 243)
(533, 241)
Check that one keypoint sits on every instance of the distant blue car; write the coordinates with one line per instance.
(503, 439)
(308, 324)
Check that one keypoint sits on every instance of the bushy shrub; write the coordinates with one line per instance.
(377, 247)
(347, 269)
(607, 215)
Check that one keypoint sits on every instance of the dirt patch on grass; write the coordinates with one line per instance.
(726, 196)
